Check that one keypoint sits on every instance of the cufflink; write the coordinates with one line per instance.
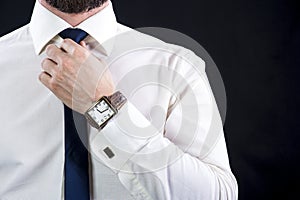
(108, 152)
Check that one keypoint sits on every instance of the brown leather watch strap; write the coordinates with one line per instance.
(117, 100)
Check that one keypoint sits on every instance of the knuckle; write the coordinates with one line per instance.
(53, 85)
(59, 77)
(77, 53)
(69, 67)
(67, 41)
(80, 53)
(50, 49)
(66, 65)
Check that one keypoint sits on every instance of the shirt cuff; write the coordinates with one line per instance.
(128, 133)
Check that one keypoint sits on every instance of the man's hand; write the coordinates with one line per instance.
(75, 76)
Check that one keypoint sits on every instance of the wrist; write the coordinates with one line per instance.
(104, 109)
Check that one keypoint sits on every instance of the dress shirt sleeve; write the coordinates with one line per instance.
(186, 159)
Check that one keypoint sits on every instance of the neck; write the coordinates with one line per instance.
(73, 19)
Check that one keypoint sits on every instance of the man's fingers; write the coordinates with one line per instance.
(58, 90)
(83, 44)
(54, 53)
(69, 46)
(45, 78)
(49, 66)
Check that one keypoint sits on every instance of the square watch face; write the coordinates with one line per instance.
(101, 112)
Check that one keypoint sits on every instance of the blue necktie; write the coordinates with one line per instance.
(76, 154)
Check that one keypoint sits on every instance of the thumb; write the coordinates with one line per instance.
(83, 44)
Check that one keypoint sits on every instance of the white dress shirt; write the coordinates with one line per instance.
(167, 141)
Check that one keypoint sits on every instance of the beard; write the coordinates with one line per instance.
(75, 6)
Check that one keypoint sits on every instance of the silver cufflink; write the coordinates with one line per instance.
(109, 152)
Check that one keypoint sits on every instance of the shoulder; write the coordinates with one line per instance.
(150, 39)
(17, 36)
(16, 46)
(17, 41)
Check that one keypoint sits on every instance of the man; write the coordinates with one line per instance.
(160, 137)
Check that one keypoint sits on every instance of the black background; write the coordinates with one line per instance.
(255, 44)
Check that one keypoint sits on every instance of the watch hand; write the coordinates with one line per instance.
(102, 111)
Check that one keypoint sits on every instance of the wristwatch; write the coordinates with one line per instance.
(105, 109)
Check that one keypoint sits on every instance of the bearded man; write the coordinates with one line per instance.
(79, 122)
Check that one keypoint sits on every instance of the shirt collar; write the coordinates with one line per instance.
(44, 27)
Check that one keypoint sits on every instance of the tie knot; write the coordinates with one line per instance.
(75, 34)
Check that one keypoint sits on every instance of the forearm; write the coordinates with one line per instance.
(187, 177)
(152, 167)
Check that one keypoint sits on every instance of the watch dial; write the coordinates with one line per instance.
(101, 112)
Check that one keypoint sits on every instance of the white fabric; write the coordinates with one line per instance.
(158, 154)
